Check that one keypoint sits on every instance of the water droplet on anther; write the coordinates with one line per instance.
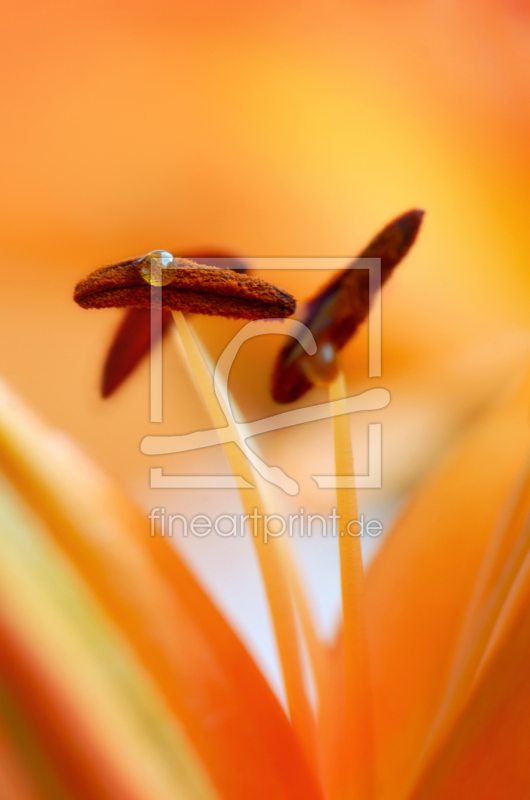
(157, 268)
(323, 367)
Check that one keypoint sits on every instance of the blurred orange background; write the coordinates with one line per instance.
(275, 129)
(286, 128)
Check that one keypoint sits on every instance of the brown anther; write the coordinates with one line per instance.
(134, 338)
(196, 288)
(335, 313)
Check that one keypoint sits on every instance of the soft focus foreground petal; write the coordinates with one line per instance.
(23, 739)
(421, 581)
(485, 754)
(492, 603)
(103, 724)
(228, 710)
(14, 783)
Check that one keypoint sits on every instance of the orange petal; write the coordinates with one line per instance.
(229, 712)
(420, 583)
(419, 586)
(485, 754)
(82, 762)
(15, 784)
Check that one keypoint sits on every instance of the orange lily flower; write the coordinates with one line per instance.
(304, 129)
(283, 128)
(121, 678)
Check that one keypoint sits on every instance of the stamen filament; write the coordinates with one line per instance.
(270, 556)
(359, 782)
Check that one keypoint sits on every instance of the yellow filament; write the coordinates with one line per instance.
(270, 554)
(358, 739)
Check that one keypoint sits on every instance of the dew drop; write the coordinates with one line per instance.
(323, 367)
(158, 268)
